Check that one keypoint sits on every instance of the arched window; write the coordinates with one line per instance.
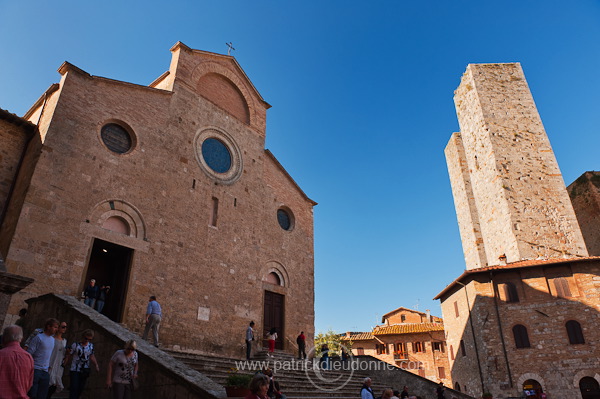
(562, 287)
(521, 337)
(575, 333)
(510, 292)
(456, 387)
(273, 278)
(589, 388)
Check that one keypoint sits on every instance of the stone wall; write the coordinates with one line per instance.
(386, 376)
(518, 190)
(160, 375)
(585, 197)
(210, 279)
(551, 360)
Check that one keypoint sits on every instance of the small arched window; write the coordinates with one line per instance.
(575, 333)
(562, 287)
(273, 278)
(456, 387)
(521, 336)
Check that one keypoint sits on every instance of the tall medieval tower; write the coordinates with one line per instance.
(509, 194)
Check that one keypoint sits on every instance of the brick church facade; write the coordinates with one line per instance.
(522, 320)
(162, 190)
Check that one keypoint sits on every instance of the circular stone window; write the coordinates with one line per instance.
(218, 155)
(285, 219)
(116, 138)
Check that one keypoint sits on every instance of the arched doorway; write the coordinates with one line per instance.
(590, 389)
(532, 389)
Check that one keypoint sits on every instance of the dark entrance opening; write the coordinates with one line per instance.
(109, 265)
(273, 317)
(532, 389)
(590, 389)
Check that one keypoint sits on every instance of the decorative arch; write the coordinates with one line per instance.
(201, 74)
(584, 373)
(224, 93)
(279, 270)
(109, 213)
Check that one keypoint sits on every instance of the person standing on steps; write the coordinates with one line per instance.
(90, 293)
(153, 318)
(301, 341)
(81, 358)
(366, 392)
(16, 365)
(271, 337)
(57, 360)
(101, 298)
(249, 339)
(40, 348)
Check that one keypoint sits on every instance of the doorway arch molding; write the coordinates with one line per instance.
(122, 209)
(531, 376)
(277, 268)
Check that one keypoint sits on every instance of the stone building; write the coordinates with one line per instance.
(165, 190)
(409, 339)
(523, 318)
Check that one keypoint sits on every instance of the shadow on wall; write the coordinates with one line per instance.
(160, 375)
(519, 340)
(385, 375)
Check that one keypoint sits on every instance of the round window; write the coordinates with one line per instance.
(116, 138)
(285, 219)
(216, 155)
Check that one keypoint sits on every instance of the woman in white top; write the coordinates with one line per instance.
(271, 337)
(57, 360)
(123, 371)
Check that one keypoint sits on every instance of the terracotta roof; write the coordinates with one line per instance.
(407, 328)
(359, 336)
(516, 265)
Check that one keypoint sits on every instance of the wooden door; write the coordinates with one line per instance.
(273, 317)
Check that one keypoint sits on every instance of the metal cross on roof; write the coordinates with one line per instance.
(229, 48)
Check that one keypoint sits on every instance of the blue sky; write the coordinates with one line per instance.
(362, 109)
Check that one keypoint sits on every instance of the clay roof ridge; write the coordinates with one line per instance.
(515, 265)
(16, 120)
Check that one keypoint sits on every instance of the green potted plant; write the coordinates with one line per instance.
(236, 384)
(486, 395)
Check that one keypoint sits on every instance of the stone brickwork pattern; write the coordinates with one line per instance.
(209, 277)
(521, 207)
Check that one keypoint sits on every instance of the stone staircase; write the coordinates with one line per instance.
(297, 379)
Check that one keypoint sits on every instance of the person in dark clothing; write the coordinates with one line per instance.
(324, 356)
(90, 293)
(301, 341)
(440, 391)
(404, 393)
(101, 298)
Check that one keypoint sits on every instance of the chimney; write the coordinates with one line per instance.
(502, 260)
(428, 313)
(347, 334)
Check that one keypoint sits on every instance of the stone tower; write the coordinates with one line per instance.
(509, 194)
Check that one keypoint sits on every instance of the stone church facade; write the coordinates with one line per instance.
(523, 318)
(162, 190)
